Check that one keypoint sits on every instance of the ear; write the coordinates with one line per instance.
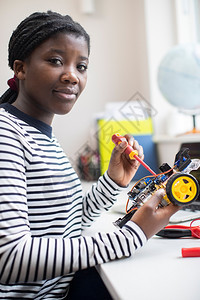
(19, 69)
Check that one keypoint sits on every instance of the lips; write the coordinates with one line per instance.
(66, 94)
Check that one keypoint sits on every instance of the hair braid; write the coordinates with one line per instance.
(33, 31)
(9, 96)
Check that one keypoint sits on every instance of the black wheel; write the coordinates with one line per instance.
(182, 189)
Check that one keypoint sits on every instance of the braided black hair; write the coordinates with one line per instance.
(32, 32)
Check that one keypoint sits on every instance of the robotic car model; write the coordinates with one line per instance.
(180, 186)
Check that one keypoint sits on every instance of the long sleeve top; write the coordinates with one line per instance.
(43, 211)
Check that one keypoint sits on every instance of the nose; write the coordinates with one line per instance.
(69, 77)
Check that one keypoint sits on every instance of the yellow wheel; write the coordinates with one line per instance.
(182, 189)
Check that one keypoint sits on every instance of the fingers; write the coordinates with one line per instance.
(130, 139)
(122, 167)
(156, 198)
(151, 218)
(119, 149)
(134, 143)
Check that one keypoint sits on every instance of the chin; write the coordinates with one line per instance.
(64, 110)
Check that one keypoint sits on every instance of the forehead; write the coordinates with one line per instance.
(64, 42)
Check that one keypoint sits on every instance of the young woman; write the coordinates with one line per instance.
(43, 210)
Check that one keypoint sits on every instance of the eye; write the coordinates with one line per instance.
(56, 61)
(82, 67)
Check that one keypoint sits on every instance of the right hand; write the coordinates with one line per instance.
(151, 218)
(121, 168)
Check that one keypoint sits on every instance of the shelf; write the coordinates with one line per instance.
(177, 139)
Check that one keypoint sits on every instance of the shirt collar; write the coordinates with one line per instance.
(41, 126)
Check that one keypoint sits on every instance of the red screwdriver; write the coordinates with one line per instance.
(133, 154)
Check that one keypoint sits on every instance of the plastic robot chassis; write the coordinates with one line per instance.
(181, 187)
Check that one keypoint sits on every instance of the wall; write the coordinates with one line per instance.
(128, 40)
(161, 36)
(118, 61)
(163, 31)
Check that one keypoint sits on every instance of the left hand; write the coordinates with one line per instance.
(151, 218)
(121, 168)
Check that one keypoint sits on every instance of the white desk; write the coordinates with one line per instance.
(156, 272)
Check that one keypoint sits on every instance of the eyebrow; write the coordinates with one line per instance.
(84, 58)
(54, 50)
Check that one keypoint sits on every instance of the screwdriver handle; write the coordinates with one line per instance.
(133, 154)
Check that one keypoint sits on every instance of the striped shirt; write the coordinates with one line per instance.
(43, 211)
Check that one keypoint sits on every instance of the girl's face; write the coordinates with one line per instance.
(53, 77)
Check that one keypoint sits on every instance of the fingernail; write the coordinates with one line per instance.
(123, 144)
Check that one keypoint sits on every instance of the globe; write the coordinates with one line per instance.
(179, 77)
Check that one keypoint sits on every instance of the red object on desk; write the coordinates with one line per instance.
(193, 231)
(191, 252)
(133, 154)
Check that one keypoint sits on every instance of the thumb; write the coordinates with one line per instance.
(121, 147)
(157, 197)
(118, 150)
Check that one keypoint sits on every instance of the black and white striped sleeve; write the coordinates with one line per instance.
(33, 259)
(99, 198)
